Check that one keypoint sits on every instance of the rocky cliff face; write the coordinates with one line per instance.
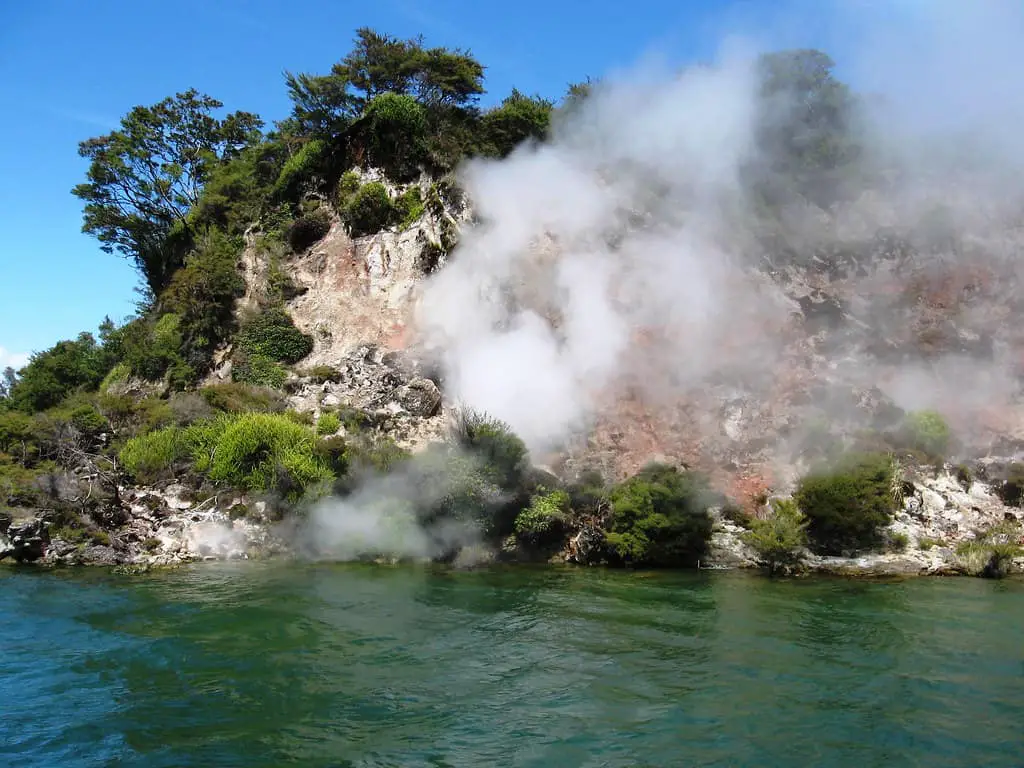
(859, 333)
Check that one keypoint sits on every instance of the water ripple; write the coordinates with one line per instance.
(274, 664)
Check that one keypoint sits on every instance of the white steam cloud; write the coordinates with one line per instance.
(617, 257)
(542, 302)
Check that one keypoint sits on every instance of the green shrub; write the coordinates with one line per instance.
(927, 432)
(328, 424)
(377, 453)
(237, 397)
(397, 131)
(348, 185)
(779, 540)
(17, 435)
(545, 518)
(333, 451)
(1011, 490)
(519, 118)
(116, 375)
(182, 408)
(502, 453)
(898, 541)
(203, 295)
(301, 417)
(964, 476)
(64, 368)
(848, 505)
(280, 287)
(263, 451)
(306, 231)
(150, 346)
(86, 419)
(271, 334)
(992, 552)
(19, 485)
(321, 374)
(150, 456)
(927, 543)
(254, 451)
(259, 371)
(369, 211)
(660, 518)
(409, 207)
(301, 170)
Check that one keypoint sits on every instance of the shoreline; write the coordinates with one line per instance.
(175, 524)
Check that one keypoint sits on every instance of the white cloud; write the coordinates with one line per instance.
(14, 359)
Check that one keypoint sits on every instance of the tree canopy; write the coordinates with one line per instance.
(324, 105)
(145, 177)
(806, 126)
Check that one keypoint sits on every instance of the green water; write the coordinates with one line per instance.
(270, 665)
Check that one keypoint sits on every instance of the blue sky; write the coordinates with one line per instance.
(69, 69)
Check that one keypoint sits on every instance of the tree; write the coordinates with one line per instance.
(848, 505)
(145, 177)
(321, 104)
(397, 129)
(325, 105)
(518, 119)
(805, 130)
(55, 373)
(779, 539)
(660, 518)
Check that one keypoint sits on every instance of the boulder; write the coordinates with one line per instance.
(28, 540)
(99, 554)
(420, 397)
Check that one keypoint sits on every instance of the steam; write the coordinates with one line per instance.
(617, 260)
(389, 514)
(540, 306)
(621, 269)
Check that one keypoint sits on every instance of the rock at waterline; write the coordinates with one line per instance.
(26, 541)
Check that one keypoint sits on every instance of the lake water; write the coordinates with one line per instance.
(261, 664)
